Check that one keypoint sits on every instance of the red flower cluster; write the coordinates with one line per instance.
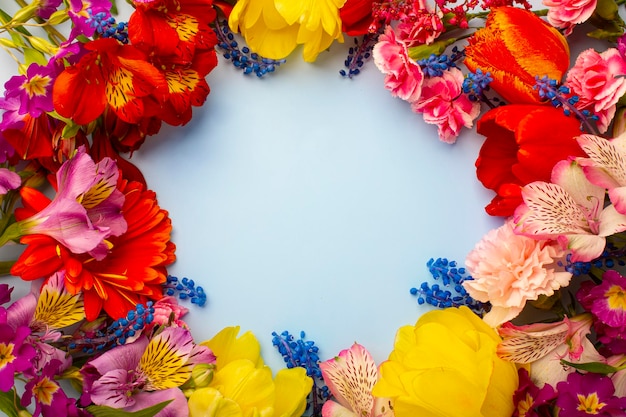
(158, 77)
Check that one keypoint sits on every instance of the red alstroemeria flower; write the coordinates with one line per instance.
(113, 75)
(132, 272)
(523, 144)
(33, 139)
(172, 28)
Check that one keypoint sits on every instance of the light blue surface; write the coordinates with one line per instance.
(306, 201)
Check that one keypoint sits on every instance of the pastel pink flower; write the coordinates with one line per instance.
(167, 312)
(564, 14)
(570, 209)
(403, 76)
(543, 345)
(597, 79)
(443, 104)
(606, 165)
(350, 377)
(510, 269)
(9, 180)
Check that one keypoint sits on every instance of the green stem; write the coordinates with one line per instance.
(5, 267)
(483, 15)
(54, 34)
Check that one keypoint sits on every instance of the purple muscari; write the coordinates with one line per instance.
(47, 7)
(588, 395)
(303, 353)
(359, 54)
(50, 399)
(450, 293)
(9, 180)
(186, 289)
(80, 21)
(106, 26)
(34, 90)
(15, 355)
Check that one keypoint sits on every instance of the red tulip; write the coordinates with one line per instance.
(356, 16)
(523, 144)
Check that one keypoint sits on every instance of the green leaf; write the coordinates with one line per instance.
(10, 404)
(425, 51)
(595, 367)
(104, 411)
(32, 55)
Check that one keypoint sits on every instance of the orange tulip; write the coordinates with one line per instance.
(515, 46)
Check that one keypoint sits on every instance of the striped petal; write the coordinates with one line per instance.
(56, 307)
(351, 376)
(526, 344)
(163, 362)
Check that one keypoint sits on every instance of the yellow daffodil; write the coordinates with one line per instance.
(273, 28)
(446, 366)
(242, 386)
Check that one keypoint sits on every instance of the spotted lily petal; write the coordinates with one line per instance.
(56, 307)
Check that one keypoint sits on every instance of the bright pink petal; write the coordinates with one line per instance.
(618, 198)
(9, 180)
(333, 409)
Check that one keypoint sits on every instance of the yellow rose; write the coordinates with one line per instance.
(242, 386)
(446, 366)
(273, 28)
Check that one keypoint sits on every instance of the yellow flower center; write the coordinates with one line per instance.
(524, 405)
(44, 390)
(6, 354)
(590, 403)
(616, 297)
(36, 86)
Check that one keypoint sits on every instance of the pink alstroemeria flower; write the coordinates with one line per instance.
(443, 104)
(86, 209)
(403, 77)
(9, 180)
(146, 372)
(543, 345)
(571, 210)
(351, 376)
(606, 165)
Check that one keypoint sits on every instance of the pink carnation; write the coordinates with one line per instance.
(597, 79)
(509, 269)
(166, 309)
(565, 14)
(443, 104)
(421, 26)
(403, 76)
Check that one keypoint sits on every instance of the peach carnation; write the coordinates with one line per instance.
(509, 269)
(564, 14)
(597, 79)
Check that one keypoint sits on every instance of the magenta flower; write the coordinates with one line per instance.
(86, 209)
(15, 355)
(5, 293)
(34, 90)
(443, 104)
(50, 399)
(588, 395)
(530, 400)
(598, 80)
(79, 12)
(607, 301)
(47, 7)
(403, 77)
(145, 372)
(9, 180)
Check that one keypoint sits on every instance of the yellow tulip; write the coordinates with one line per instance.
(446, 366)
(273, 28)
(242, 386)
